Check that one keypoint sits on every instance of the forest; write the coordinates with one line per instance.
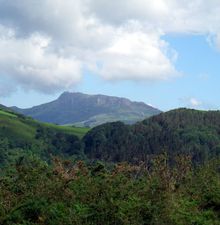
(181, 131)
(162, 171)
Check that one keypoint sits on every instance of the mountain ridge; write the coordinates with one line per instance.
(89, 110)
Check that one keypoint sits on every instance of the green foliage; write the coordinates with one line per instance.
(4, 147)
(176, 132)
(20, 135)
(6, 113)
(154, 194)
(155, 189)
(17, 127)
(78, 131)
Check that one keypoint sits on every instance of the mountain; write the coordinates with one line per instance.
(89, 110)
(4, 107)
(181, 131)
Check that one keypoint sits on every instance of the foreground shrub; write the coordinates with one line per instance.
(157, 193)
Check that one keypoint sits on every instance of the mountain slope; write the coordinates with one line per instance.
(89, 110)
(12, 122)
(20, 135)
(4, 107)
(182, 131)
(186, 131)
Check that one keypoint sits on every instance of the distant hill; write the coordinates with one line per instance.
(181, 131)
(89, 110)
(4, 107)
(21, 135)
(17, 125)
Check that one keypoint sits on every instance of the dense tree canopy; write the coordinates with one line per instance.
(179, 131)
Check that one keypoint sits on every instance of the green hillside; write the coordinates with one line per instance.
(20, 135)
(182, 131)
(186, 131)
(17, 126)
(2, 112)
(78, 131)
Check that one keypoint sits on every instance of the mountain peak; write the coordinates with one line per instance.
(70, 94)
(90, 110)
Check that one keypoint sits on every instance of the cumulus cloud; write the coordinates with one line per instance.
(121, 11)
(46, 44)
(136, 55)
(195, 103)
(196, 16)
(28, 62)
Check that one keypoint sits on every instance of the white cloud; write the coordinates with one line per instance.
(45, 44)
(30, 64)
(168, 15)
(136, 55)
(121, 11)
(194, 102)
(216, 41)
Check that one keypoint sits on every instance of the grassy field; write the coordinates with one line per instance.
(19, 127)
(2, 112)
(14, 128)
(78, 131)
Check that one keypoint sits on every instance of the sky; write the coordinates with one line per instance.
(165, 53)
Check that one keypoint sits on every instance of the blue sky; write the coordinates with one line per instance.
(167, 66)
(197, 60)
